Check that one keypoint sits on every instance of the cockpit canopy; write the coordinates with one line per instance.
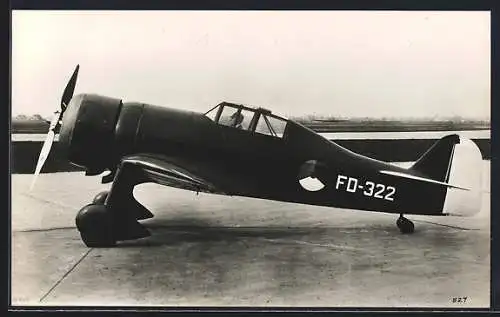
(258, 120)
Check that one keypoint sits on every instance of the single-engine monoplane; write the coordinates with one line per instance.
(238, 150)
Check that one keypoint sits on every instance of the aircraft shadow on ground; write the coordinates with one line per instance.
(181, 230)
(187, 230)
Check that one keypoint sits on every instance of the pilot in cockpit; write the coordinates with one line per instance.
(236, 119)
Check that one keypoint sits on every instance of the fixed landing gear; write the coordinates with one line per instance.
(95, 223)
(101, 224)
(405, 226)
(113, 215)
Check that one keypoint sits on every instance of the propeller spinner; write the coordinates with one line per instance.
(55, 123)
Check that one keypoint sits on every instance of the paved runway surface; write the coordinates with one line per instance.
(210, 250)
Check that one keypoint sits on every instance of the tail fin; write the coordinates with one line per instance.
(458, 161)
(436, 161)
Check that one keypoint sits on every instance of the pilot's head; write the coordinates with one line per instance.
(237, 117)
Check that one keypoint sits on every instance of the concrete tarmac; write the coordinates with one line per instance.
(209, 250)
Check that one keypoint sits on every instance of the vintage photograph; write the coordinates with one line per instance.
(334, 159)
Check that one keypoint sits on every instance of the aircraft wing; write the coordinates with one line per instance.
(169, 172)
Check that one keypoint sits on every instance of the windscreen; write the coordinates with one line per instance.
(212, 113)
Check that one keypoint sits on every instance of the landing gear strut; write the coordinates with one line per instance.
(405, 225)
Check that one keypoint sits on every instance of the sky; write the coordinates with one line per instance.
(296, 63)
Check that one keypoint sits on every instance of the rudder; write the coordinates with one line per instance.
(458, 161)
(466, 170)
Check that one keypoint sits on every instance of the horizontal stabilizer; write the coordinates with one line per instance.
(423, 179)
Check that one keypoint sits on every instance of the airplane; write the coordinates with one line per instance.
(237, 150)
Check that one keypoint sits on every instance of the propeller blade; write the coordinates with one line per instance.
(43, 156)
(54, 124)
(70, 89)
(55, 120)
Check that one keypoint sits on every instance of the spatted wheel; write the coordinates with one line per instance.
(96, 226)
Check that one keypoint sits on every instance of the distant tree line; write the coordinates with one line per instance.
(34, 117)
(451, 119)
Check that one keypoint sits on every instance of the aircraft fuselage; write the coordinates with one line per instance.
(100, 131)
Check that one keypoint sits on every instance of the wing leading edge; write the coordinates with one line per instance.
(166, 171)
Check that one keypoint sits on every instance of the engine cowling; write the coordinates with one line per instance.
(88, 131)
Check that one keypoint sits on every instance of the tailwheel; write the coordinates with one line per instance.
(100, 198)
(95, 224)
(405, 225)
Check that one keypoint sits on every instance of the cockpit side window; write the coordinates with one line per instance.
(271, 126)
(247, 119)
(236, 118)
(240, 118)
